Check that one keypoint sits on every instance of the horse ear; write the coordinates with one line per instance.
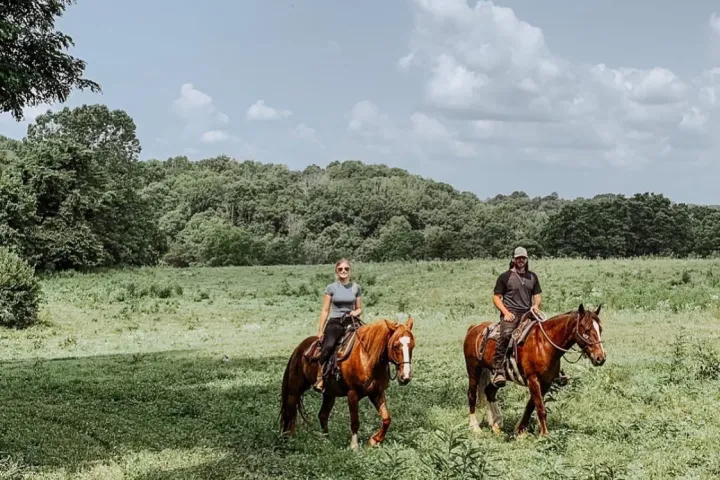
(597, 310)
(581, 309)
(391, 325)
(409, 323)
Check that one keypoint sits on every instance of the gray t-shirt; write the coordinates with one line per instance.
(342, 298)
(517, 290)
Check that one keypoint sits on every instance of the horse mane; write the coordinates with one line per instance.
(373, 337)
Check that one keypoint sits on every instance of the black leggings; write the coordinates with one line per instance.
(334, 330)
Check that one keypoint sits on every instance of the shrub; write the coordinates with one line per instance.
(19, 291)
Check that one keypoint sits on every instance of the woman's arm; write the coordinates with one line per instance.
(323, 315)
(358, 307)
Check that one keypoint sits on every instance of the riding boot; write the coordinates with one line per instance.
(319, 385)
(501, 345)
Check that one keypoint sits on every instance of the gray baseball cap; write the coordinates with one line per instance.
(520, 252)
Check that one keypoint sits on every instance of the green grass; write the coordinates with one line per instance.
(161, 373)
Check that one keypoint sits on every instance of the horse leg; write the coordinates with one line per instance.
(327, 405)
(381, 406)
(525, 420)
(494, 414)
(536, 392)
(353, 401)
(472, 397)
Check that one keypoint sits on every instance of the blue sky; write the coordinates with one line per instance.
(578, 98)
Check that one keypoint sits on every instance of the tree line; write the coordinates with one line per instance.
(74, 195)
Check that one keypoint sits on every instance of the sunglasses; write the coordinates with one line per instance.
(343, 269)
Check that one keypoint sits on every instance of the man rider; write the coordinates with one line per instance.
(517, 291)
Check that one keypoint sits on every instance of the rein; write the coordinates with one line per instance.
(542, 318)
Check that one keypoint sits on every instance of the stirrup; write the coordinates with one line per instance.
(495, 381)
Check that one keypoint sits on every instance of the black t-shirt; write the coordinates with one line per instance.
(517, 290)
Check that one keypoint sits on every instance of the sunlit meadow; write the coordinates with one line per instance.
(175, 373)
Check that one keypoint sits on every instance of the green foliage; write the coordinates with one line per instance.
(70, 197)
(73, 195)
(35, 67)
(187, 386)
(19, 291)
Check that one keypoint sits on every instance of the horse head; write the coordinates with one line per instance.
(588, 331)
(400, 348)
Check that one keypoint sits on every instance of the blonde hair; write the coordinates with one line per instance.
(341, 261)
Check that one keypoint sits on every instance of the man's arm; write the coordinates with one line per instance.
(498, 292)
(497, 300)
(537, 297)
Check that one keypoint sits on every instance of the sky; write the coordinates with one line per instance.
(578, 98)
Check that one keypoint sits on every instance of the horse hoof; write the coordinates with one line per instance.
(373, 443)
(496, 429)
(475, 428)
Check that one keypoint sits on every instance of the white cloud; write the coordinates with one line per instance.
(198, 111)
(715, 23)
(12, 128)
(366, 120)
(335, 46)
(492, 77)
(306, 133)
(190, 99)
(429, 130)
(405, 62)
(214, 136)
(423, 134)
(29, 114)
(260, 111)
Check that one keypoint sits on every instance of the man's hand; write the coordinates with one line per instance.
(508, 316)
(355, 313)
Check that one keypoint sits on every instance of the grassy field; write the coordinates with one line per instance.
(161, 373)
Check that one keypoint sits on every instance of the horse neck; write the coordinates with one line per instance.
(561, 330)
(374, 340)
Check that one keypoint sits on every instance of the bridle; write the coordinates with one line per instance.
(581, 340)
(398, 365)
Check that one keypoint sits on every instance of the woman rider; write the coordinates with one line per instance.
(343, 299)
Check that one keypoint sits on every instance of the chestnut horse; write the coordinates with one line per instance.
(365, 372)
(538, 362)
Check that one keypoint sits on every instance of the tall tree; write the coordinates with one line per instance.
(81, 164)
(34, 68)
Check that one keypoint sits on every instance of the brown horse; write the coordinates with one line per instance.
(365, 372)
(537, 363)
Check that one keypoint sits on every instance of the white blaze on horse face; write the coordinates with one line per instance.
(597, 330)
(405, 341)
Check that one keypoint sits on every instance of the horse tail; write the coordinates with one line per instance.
(291, 392)
(483, 381)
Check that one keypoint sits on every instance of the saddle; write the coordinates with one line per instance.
(517, 338)
(342, 350)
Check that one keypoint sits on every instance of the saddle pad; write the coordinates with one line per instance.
(342, 350)
(518, 335)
